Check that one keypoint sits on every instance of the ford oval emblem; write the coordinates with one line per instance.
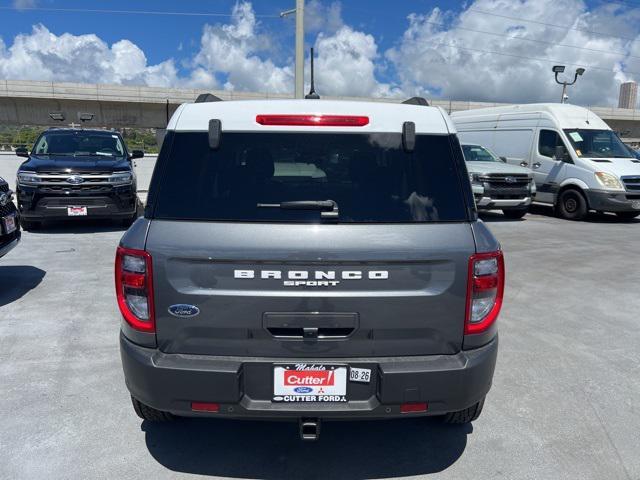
(303, 389)
(75, 180)
(182, 310)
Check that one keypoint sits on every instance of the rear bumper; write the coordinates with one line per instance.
(243, 385)
(612, 202)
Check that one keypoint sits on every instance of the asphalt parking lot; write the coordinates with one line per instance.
(564, 402)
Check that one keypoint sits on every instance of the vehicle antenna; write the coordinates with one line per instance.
(312, 95)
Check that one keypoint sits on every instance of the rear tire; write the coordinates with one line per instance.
(467, 415)
(627, 215)
(515, 214)
(572, 205)
(29, 224)
(146, 412)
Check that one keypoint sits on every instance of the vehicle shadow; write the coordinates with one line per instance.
(270, 450)
(592, 217)
(17, 280)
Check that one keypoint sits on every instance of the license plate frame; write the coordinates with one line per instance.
(76, 211)
(305, 383)
(9, 224)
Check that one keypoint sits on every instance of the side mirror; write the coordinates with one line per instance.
(560, 153)
(504, 159)
(22, 152)
(136, 154)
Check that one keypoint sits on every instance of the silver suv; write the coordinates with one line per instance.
(498, 185)
(309, 260)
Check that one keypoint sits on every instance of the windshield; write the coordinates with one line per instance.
(597, 144)
(79, 143)
(476, 153)
(308, 177)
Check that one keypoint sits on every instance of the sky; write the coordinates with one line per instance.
(476, 50)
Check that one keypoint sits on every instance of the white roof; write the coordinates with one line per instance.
(567, 116)
(240, 115)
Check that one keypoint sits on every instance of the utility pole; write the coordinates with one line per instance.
(299, 79)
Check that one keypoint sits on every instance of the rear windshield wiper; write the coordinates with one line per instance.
(329, 207)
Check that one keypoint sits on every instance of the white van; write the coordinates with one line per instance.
(579, 163)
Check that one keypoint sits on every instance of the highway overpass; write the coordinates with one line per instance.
(29, 103)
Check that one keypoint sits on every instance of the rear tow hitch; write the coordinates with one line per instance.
(309, 429)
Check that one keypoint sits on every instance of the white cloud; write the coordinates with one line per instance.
(490, 67)
(346, 65)
(318, 17)
(42, 55)
(231, 50)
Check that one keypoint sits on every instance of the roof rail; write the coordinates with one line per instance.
(417, 101)
(207, 97)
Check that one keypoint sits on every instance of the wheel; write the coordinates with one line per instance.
(572, 205)
(465, 416)
(29, 224)
(515, 213)
(627, 215)
(146, 412)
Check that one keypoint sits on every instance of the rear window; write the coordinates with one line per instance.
(369, 176)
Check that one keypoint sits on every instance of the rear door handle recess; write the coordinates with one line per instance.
(537, 165)
(310, 326)
(524, 164)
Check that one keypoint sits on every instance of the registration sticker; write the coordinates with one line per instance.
(309, 383)
(575, 136)
(9, 223)
(362, 375)
(76, 211)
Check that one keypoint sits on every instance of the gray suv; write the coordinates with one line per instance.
(309, 260)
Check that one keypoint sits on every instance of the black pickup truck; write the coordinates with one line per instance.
(77, 173)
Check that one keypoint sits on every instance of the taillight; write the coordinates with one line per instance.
(485, 290)
(134, 288)
(313, 120)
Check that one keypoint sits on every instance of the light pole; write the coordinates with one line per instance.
(299, 79)
(560, 69)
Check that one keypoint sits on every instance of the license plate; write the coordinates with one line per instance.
(76, 211)
(9, 223)
(309, 383)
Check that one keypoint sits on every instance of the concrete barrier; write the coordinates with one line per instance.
(9, 164)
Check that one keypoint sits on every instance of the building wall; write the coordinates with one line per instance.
(628, 95)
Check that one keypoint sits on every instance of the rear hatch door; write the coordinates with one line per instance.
(310, 290)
